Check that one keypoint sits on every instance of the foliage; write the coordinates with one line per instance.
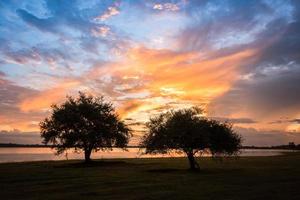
(186, 130)
(86, 123)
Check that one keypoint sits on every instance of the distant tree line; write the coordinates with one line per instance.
(289, 146)
(279, 147)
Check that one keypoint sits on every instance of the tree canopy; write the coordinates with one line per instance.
(85, 123)
(187, 131)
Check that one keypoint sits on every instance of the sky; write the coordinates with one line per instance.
(238, 60)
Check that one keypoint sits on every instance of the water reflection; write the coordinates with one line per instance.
(36, 154)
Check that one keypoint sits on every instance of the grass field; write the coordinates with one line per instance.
(167, 178)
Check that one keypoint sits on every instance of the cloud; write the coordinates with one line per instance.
(235, 120)
(18, 137)
(256, 137)
(129, 107)
(229, 24)
(166, 6)
(69, 27)
(239, 60)
(286, 48)
(296, 121)
(269, 87)
(44, 99)
(111, 11)
(23, 56)
(38, 56)
(11, 117)
(101, 31)
(47, 24)
(150, 78)
(270, 92)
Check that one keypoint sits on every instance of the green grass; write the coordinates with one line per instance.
(244, 178)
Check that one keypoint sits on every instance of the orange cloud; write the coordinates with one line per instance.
(183, 78)
(27, 122)
(47, 97)
(148, 80)
(188, 74)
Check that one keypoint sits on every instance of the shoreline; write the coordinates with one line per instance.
(282, 154)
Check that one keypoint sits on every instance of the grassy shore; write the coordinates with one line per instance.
(166, 178)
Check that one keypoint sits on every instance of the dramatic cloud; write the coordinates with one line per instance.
(159, 77)
(240, 61)
(269, 88)
(268, 92)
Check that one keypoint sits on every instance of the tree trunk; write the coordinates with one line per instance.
(193, 164)
(87, 155)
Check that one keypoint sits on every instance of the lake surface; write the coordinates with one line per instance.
(20, 154)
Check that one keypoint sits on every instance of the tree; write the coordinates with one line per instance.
(291, 145)
(187, 131)
(86, 123)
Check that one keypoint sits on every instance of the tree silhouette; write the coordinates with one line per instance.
(187, 131)
(86, 123)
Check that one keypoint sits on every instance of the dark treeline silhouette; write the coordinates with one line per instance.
(23, 145)
(288, 147)
(278, 147)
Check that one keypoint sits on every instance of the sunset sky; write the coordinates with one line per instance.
(239, 60)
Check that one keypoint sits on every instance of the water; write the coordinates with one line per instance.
(38, 154)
